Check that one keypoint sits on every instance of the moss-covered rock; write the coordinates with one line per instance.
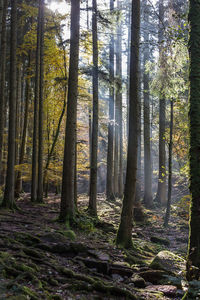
(138, 281)
(169, 262)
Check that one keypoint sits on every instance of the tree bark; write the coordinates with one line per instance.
(124, 235)
(67, 209)
(18, 184)
(8, 200)
(41, 100)
(109, 178)
(193, 258)
(161, 191)
(120, 129)
(2, 83)
(167, 214)
(148, 198)
(35, 126)
(94, 149)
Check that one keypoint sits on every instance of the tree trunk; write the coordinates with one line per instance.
(124, 235)
(67, 209)
(167, 215)
(18, 184)
(120, 130)
(2, 83)
(41, 100)
(161, 192)
(35, 126)
(148, 198)
(109, 178)
(8, 200)
(193, 258)
(94, 150)
(1, 19)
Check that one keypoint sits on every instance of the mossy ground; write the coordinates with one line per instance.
(43, 259)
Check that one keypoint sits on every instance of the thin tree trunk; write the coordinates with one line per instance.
(8, 200)
(120, 129)
(35, 126)
(17, 123)
(148, 198)
(124, 235)
(167, 215)
(93, 166)
(18, 184)
(67, 209)
(161, 192)
(109, 177)
(41, 100)
(1, 19)
(2, 83)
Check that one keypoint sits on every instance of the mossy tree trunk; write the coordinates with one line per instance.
(124, 235)
(67, 209)
(8, 200)
(194, 154)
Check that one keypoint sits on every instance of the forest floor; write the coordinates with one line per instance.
(43, 259)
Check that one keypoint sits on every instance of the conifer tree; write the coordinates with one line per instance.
(124, 235)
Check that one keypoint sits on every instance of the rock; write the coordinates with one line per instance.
(117, 278)
(171, 280)
(167, 290)
(153, 276)
(54, 237)
(169, 262)
(100, 255)
(159, 240)
(138, 281)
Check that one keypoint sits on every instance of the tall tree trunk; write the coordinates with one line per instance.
(17, 121)
(193, 258)
(67, 209)
(2, 83)
(8, 200)
(148, 198)
(94, 150)
(109, 177)
(35, 126)
(167, 214)
(1, 18)
(161, 191)
(120, 129)
(18, 184)
(124, 235)
(41, 100)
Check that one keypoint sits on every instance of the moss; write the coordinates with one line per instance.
(70, 234)
(53, 282)
(23, 268)
(26, 238)
(27, 291)
(4, 255)
(33, 253)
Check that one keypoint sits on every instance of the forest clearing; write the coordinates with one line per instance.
(99, 149)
